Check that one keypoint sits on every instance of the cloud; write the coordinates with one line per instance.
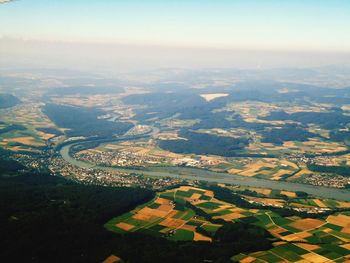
(5, 1)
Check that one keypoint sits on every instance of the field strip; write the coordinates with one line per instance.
(279, 256)
(306, 230)
(273, 222)
(335, 260)
(157, 221)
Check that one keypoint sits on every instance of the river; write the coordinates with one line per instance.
(199, 174)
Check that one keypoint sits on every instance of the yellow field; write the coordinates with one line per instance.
(45, 136)
(315, 145)
(319, 203)
(112, 259)
(289, 194)
(253, 168)
(125, 226)
(335, 160)
(21, 149)
(315, 258)
(344, 204)
(339, 220)
(234, 171)
(307, 223)
(300, 174)
(200, 237)
(280, 173)
(308, 246)
(271, 168)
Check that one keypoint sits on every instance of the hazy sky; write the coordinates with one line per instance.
(272, 25)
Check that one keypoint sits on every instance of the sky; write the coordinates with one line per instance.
(298, 26)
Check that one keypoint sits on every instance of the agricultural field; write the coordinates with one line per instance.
(167, 216)
(312, 145)
(319, 203)
(282, 198)
(252, 111)
(323, 239)
(147, 153)
(255, 112)
(304, 240)
(27, 121)
(315, 145)
(170, 216)
(302, 173)
(144, 153)
(139, 147)
(269, 168)
(133, 153)
(246, 122)
(174, 215)
(333, 160)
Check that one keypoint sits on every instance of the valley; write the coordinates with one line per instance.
(218, 160)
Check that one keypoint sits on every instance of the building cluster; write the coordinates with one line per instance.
(58, 166)
(323, 161)
(301, 159)
(191, 162)
(309, 210)
(107, 178)
(321, 179)
(328, 180)
(120, 158)
(29, 161)
(126, 158)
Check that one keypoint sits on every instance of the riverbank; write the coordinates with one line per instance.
(205, 175)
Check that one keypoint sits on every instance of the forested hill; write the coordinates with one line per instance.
(218, 145)
(8, 100)
(49, 219)
(45, 218)
(84, 121)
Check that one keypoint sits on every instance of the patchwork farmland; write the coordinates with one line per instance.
(193, 214)
(169, 215)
